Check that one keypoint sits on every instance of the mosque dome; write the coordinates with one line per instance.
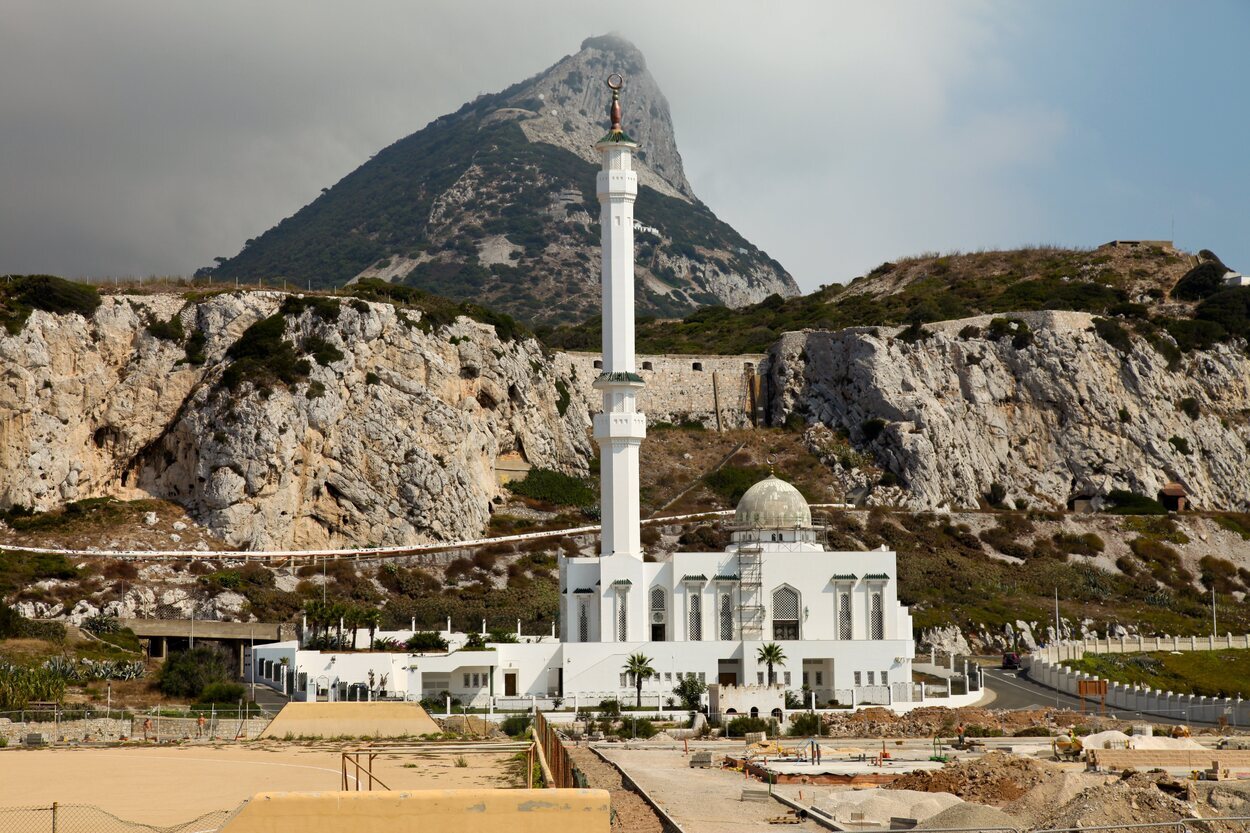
(773, 504)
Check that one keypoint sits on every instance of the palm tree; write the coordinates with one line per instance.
(771, 654)
(640, 666)
(372, 618)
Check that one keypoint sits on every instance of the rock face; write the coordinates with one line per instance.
(496, 203)
(1064, 415)
(393, 442)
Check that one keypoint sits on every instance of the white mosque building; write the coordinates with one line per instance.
(835, 615)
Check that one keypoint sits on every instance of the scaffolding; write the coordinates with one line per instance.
(750, 551)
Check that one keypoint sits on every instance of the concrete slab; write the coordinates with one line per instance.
(351, 720)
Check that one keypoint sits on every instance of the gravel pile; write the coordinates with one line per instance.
(880, 806)
(1134, 800)
(967, 815)
(934, 721)
(1112, 739)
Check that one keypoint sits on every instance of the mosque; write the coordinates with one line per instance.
(834, 615)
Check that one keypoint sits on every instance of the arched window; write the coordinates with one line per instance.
(726, 616)
(878, 617)
(776, 713)
(844, 616)
(583, 623)
(785, 613)
(755, 712)
(694, 616)
(659, 618)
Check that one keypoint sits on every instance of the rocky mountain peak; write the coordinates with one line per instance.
(570, 101)
(496, 203)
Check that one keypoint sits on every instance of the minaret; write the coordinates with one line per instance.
(619, 428)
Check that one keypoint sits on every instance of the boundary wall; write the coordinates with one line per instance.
(1044, 667)
(717, 391)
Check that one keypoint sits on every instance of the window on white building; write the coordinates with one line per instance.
(819, 681)
(787, 677)
(622, 631)
(844, 616)
(703, 676)
(622, 681)
(726, 617)
(878, 617)
(583, 622)
(694, 627)
(805, 678)
(659, 619)
(858, 679)
(466, 680)
(872, 678)
(785, 613)
(760, 677)
(885, 678)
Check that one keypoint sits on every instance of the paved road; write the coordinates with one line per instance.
(1013, 690)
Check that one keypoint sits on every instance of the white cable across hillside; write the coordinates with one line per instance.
(367, 552)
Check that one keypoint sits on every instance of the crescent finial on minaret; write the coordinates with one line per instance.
(615, 82)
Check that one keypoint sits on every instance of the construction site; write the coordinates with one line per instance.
(367, 766)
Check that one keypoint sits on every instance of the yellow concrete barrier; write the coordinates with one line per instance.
(464, 811)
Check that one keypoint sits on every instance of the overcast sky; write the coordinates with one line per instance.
(142, 138)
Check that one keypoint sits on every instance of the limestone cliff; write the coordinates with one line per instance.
(391, 439)
(1047, 408)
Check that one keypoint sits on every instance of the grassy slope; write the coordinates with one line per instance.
(1109, 281)
(1205, 673)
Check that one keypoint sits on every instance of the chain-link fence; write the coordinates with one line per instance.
(86, 818)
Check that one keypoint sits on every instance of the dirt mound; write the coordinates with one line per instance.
(1055, 791)
(933, 721)
(995, 778)
(971, 816)
(1137, 799)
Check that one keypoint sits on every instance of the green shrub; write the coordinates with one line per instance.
(515, 725)
(562, 397)
(170, 330)
(322, 351)
(1181, 445)
(1189, 406)
(21, 295)
(871, 428)
(639, 727)
(804, 725)
(189, 673)
(264, 357)
(1203, 281)
(426, 641)
(1122, 502)
(1229, 309)
(743, 724)
(1114, 334)
(1086, 544)
(195, 349)
(372, 378)
(222, 693)
(731, 482)
(553, 487)
(327, 309)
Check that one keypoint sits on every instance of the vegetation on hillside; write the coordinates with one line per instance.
(1129, 291)
(22, 294)
(1203, 673)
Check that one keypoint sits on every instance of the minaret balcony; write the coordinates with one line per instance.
(618, 379)
(617, 183)
(629, 426)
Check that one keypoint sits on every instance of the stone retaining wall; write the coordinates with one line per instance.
(680, 388)
(112, 729)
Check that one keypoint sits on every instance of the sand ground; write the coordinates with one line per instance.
(168, 785)
(700, 800)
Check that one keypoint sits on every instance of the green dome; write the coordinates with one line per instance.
(773, 504)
